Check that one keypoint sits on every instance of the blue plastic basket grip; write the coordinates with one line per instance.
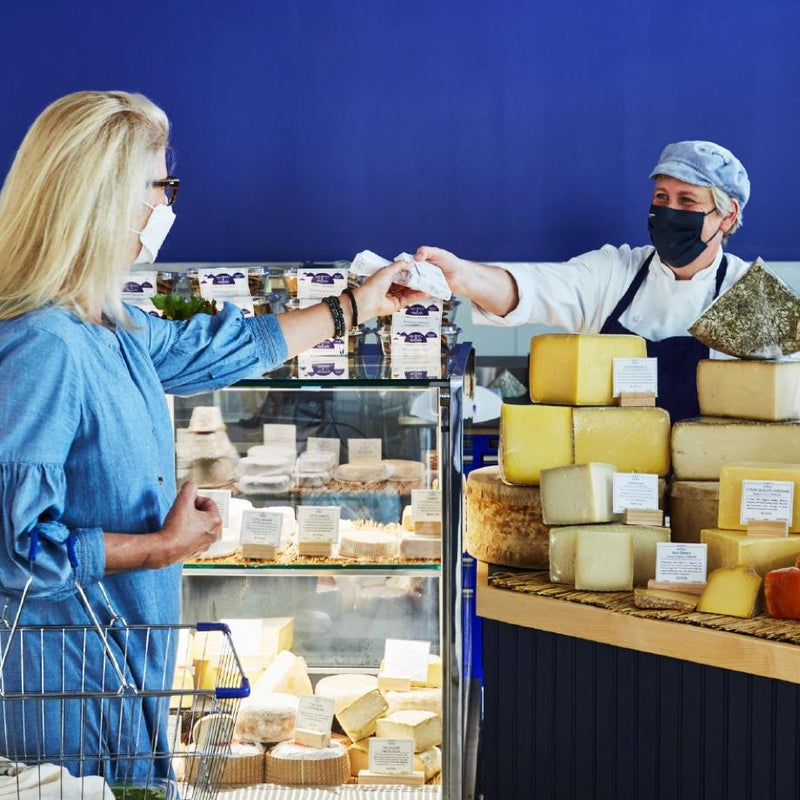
(71, 554)
(34, 548)
(203, 627)
(233, 692)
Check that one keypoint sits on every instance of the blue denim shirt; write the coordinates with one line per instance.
(86, 446)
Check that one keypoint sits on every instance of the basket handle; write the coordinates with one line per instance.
(227, 692)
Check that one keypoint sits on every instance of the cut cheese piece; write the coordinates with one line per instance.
(701, 446)
(297, 765)
(562, 555)
(576, 369)
(415, 700)
(645, 545)
(730, 490)
(760, 390)
(734, 548)
(732, 591)
(504, 523)
(408, 519)
(533, 438)
(413, 546)
(358, 754)
(664, 598)
(756, 318)
(358, 717)
(693, 505)
(344, 689)
(782, 592)
(578, 494)
(603, 560)
(632, 439)
(367, 544)
(423, 727)
(287, 673)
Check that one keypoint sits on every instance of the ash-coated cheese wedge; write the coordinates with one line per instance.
(701, 446)
(733, 475)
(603, 560)
(576, 369)
(735, 548)
(504, 523)
(344, 689)
(632, 439)
(782, 593)
(665, 599)
(693, 506)
(732, 591)
(424, 728)
(759, 390)
(533, 438)
(358, 717)
(577, 494)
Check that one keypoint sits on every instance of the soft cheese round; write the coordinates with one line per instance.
(266, 717)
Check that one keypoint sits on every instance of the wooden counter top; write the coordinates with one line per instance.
(732, 651)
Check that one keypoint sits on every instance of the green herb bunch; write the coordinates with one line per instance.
(173, 306)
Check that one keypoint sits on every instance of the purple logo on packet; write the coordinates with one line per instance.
(326, 344)
(147, 285)
(132, 287)
(322, 277)
(238, 275)
(416, 310)
(416, 373)
(416, 338)
(338, 371)
(322, 369)
(222, 279)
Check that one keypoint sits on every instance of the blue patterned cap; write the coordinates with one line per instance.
(705, 164)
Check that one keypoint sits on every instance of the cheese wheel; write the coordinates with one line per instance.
(367, 544)
(266, 718)
(344, 689)
(504, 523)
(264, 465)
(428, 548)
(402, 470)
(295, 764)
(264, 484)
(362, 472)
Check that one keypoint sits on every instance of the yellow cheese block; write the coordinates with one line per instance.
(632, 439)
(761, 390)
(533, 438)
(732, 591)
(603, 559)
(576, 369)
(730, 490)
(734, 548)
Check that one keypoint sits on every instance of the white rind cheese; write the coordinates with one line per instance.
(358, 717)
(266, 718)
(423, 727)
(367, 544)
(297, 765)
(344, 689)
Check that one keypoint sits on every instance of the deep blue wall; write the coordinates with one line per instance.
(513, 130)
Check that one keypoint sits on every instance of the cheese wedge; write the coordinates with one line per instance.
(735, 548)
(732, 591)
(533, 438)
(665, 599)
(603, 560)
(576, 369)
(423, 727)
(577, 494)
(760, 390)
(731, 479)
(288, 673)
(359, 717)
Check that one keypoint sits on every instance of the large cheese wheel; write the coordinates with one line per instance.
(504, 523)
(298, 765)
(266, 718)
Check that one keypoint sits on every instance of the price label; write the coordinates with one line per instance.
(767, 500)
(680, 563)
(426, 505)
(391, 756)
(635, 490)
(635, 375)
(318, 523)
(285, 435)
(404, 658)
(364, 450)
(222, 497)
(314, 713)
(316, 444)
(260, 526)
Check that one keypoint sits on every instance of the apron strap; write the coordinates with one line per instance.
(630, 293)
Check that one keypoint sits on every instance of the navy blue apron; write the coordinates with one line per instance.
(677, 356)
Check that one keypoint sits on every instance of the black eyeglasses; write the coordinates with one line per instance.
(170, 186)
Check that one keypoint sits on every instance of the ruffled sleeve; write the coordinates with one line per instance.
(205, 352)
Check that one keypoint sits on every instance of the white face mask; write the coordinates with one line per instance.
(154, 232)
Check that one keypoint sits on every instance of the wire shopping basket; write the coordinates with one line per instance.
(140, 712)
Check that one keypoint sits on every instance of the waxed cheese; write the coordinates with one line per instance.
(577, 494)
(603, 560)
(632, 439)
(760, 390)
(701, 446)
(782, 593)
(693, 505)
(533, 438)
(504, 523)
(732, 591)
(730, 491)
(576, 369)
(733, 548)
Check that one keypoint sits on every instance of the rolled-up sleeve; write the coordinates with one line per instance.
(39, 415)
(210, 352)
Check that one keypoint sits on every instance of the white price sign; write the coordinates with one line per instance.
(315, 714)
(222, 497)
(767, 500)
(680, 563)
(635, 375)
(281, 435)
(391, 756)
(260, 526)
(364, 450)
(635, 490)
(426, 505)
(318, 523)
(404, 658)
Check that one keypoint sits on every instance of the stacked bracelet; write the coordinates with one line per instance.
(339, 327)
(354, 323)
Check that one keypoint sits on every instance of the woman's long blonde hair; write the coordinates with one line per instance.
(71, 199)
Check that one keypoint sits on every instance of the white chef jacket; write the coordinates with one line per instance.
(581, 293)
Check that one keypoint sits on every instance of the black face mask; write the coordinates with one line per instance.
(676, 234)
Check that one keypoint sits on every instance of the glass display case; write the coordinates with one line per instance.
(361, 467)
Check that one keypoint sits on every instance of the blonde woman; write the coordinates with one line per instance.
(86, 451)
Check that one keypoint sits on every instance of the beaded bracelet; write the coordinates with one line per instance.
(339, 327)
(351, 295)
